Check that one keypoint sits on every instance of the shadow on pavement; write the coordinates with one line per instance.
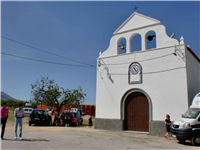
(27, 140)
(188, 144)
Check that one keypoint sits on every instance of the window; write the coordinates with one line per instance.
(38, 112)
(191, 113)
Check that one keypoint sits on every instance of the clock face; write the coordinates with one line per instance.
(134, 68)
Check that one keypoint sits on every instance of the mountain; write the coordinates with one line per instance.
(5, 96)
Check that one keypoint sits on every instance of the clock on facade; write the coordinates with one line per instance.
(135, 73)
(134, 68)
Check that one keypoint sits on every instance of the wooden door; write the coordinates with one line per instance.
(137, 112)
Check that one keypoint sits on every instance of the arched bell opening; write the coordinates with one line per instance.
(136, 42)
(151, 40)
(121, 46)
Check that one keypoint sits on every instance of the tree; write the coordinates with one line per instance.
(47, 92)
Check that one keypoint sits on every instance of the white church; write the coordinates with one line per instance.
(135, 90)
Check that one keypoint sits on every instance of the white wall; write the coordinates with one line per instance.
(166, 85)
(193, 76)
(167, 90)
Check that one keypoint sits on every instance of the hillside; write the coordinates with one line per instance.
(5, 96)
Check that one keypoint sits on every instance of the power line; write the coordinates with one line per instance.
(140, 60)
(43, 60)
(150, 72)
(45, 51)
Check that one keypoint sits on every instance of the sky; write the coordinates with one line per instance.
(79, 31)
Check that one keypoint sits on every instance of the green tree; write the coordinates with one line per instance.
(47, 92)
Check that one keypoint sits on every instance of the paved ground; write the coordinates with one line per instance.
(41, 137)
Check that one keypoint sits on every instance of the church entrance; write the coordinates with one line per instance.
(136, 112)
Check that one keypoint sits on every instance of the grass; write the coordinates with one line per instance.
(11, 116)
(86, 122)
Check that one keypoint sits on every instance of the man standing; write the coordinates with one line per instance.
(19, 113)
(4, 117)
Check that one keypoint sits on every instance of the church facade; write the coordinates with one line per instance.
(135, 90)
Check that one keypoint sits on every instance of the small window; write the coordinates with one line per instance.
(25, 109)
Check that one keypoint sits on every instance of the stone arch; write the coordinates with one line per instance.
(123, 99)
(118, 42)
(154, 39)
(131, 42)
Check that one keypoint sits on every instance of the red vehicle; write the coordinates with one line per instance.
(74, 117)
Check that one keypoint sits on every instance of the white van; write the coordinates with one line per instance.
(188, 126)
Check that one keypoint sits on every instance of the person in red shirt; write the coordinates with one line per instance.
(4, 117)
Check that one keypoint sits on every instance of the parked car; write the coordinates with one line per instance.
(27, 111)
(39, 116)
(74, 117)
(188, 126)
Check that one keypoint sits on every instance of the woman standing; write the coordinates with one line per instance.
(168, 123)
(90, 121)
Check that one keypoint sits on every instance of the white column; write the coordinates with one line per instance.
(143, 46)
(128, 45)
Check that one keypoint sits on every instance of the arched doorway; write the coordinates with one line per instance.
(136, 109)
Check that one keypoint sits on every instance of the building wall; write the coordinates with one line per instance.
(163, 79)
(193, 75)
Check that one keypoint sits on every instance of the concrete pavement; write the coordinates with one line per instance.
(40, 137)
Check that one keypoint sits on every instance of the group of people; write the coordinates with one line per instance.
(19, 114)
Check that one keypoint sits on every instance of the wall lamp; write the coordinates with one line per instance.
(178, 51)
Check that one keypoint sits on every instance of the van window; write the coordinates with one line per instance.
(25, 109)
(192, 113)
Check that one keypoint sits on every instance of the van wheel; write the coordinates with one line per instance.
(181, 141)
(195, 140)
(77, 123)
(29, 124)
